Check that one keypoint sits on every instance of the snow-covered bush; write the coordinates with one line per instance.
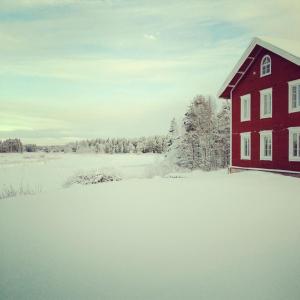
(163, 167)
(9, 191)
(91, 177)
(175, 175)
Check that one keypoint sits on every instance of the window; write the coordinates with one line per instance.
(294, 96)
(266, 103)
(266, 145)
(265, 66)
(245, 107)
(294, 143)
(245, 145)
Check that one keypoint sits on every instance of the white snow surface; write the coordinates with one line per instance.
(197, 235)
(50, 171)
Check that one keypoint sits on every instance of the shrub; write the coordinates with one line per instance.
(12, 191)
(91, 177)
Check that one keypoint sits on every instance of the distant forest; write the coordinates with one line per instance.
(11, 146)
(200, 141)
(153, 144)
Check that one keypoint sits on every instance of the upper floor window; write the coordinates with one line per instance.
(245, 107)
(266, 103)
(294, 96)
(265, 66)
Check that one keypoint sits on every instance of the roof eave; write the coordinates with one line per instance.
(255, 41)
(237, 67)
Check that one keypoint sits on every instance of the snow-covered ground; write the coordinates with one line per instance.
(45, 172)
(209, 236)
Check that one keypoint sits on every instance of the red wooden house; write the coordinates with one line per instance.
(264, 89)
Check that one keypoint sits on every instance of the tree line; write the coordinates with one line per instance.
(152, 144)
(16, 146)
(11, 145)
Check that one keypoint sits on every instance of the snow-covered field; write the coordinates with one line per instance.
(209, 236)
(45, 172)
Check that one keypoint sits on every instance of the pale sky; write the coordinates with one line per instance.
(74, 69)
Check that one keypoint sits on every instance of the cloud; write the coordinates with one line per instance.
(100, 68)
(150, 37)
(17, 4)
(93, 69)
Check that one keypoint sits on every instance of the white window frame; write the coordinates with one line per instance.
(243, 99)
(292, 131)
(263, 93)
(262, 65)
(242, 144)
(291, 85)
(263, 134)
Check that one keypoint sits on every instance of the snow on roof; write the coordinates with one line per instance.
(290, 46)
(288, 49)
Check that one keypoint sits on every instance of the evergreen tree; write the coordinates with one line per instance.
(204, 143)
(198, 125)
(173, 132)
(223, 140)
(11, 145)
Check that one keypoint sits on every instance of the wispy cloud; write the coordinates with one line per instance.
(150, 37)
(94, 65)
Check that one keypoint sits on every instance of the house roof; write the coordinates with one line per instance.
(288, 49)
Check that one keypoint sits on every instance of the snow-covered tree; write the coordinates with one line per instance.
(223, 138)
(173, 132)
(11, 145)
(30, 148)
(203, 143)
(83, 147)
(198, 125)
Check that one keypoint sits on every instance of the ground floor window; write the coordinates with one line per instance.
(266, 145)
(294, 96)
(294, 143)
(245, 145)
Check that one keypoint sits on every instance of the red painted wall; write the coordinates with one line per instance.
(282, 72)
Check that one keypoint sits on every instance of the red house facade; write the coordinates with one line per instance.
(264, 89)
